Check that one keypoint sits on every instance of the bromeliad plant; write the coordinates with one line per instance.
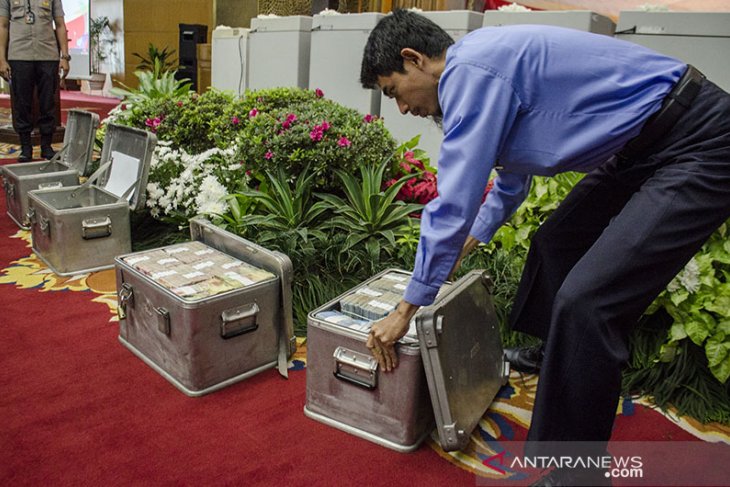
(370, 219)
(277, 215)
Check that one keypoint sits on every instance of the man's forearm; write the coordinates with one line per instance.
(62, 38)
(4, 36)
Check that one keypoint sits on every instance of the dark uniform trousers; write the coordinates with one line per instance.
(26, 77)
(603, 256)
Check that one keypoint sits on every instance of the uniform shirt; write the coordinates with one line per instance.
(32, 42)
(529, 100)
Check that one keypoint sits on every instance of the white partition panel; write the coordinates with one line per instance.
(336, 56)
(701, 39)
(229, 59)
(573, 19)
(279, 52)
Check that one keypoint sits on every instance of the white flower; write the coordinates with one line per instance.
(650, 7)
(688, 278)
(154, 191)
(210, 197)
(513, 7)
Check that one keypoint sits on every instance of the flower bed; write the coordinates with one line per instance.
(327, 186)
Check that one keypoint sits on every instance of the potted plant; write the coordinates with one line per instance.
(154, 55)
(99, 29)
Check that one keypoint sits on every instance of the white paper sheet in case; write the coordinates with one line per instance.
(124, 174)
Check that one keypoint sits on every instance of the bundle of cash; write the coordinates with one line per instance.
(372, 302)
(195, 271)
(393, 281)
(342, 319)
(368, 303)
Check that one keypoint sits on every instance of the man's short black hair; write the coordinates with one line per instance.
(393, 33)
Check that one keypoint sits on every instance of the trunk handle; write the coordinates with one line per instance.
(357, 368)
(238, 321)
(96, 227)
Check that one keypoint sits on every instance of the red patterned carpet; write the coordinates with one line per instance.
(77, 408)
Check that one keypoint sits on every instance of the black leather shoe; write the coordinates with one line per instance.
(573, 476)
(525, 359)
(47, 152)
(26, 153)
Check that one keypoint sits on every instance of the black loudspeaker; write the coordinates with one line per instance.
(190, 36)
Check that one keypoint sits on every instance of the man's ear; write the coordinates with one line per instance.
(412, 56)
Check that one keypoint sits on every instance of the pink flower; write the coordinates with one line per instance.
(319, 93)
(268, 155)
(344, 142)
(235, 120)
(291, 118)
(153, 123)
(368, 118)
(253, 113)
(316, 133)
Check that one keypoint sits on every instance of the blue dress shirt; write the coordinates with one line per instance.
(528, 100)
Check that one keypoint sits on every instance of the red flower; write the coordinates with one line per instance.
(319, 93)
(489, 187)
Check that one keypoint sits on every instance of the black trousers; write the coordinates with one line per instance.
(28, 76)
(611, 247)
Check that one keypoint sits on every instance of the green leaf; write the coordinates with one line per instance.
(677, 332)
(722, 370)
(716, 351)
(696, 330)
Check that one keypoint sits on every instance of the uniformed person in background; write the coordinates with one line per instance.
(31, 53)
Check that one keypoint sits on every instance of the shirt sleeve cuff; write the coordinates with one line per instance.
(420, 294)
(482, 231)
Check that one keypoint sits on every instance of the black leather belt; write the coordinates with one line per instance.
(674, 105)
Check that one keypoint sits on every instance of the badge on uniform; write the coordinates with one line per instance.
(29, 17)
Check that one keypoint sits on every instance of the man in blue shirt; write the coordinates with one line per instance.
(652, 136)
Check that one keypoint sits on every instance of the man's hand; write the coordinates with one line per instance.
(63, 64)
(5, 70)
(469, 245)
(387, 331)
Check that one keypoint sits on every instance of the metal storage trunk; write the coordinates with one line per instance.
(63, 170)
(82, 228)
(456, 360)
(206, 344)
